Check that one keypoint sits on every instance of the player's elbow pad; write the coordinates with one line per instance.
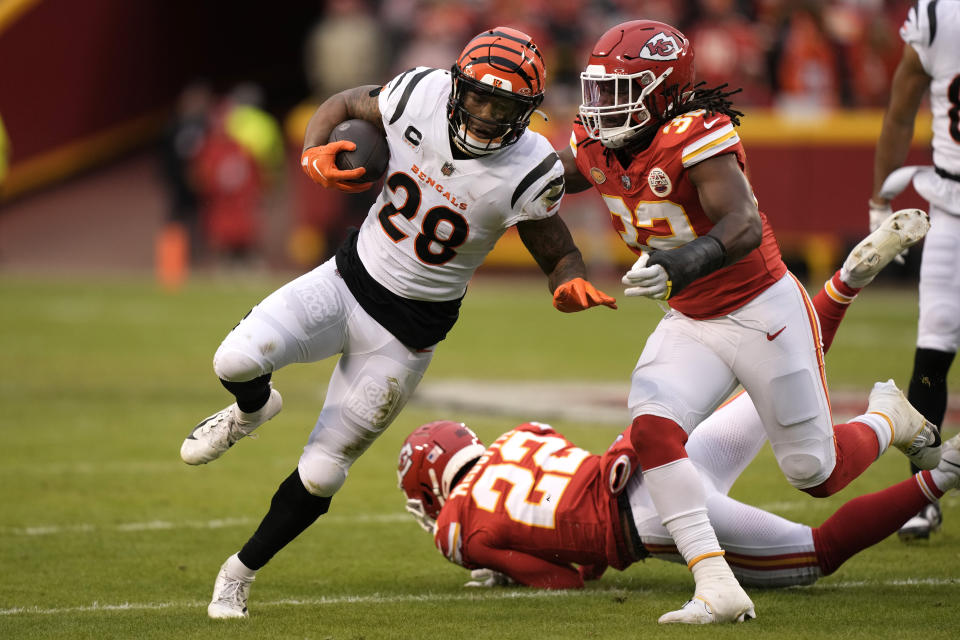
(693, 260)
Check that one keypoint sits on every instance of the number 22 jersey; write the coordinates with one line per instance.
(532, 506)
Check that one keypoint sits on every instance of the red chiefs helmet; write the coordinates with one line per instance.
(504, 66)
(429, 460)
(632, 65)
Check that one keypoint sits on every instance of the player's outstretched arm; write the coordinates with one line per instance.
(551, 245)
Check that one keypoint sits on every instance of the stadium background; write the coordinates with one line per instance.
(105, 533)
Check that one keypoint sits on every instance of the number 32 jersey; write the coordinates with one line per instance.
(533, 505)
(438, 217)
(654, 205)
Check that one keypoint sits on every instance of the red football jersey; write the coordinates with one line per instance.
(653, 205)
(533, 506)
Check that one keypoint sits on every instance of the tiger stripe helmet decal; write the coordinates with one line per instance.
(501, 64)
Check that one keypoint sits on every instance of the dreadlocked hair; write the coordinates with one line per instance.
(675, 101)
(678, 100)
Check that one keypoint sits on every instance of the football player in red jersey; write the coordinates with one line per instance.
(664, 154)
(535, 509)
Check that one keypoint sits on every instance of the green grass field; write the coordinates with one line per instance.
(105, 533)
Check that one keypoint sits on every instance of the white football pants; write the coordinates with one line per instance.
(771, 346)
(312, 318)
(939, 324)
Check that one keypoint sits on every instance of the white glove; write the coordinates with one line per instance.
(642, 280)
(488, 578)
(879, 213)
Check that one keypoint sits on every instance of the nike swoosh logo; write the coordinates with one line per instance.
(318, 169)
(772, 336)
(707, 125)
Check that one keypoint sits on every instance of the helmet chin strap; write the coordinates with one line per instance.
(473, 145)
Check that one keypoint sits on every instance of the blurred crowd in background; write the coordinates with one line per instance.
(223, 154)
(784, 53)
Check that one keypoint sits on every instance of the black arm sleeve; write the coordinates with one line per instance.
(693, 260)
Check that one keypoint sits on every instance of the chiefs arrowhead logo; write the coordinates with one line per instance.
(662, 46)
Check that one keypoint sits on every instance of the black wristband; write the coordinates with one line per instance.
(693, 260)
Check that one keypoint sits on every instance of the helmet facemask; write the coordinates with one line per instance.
(432, 460)
(512, 114)
(615, 107)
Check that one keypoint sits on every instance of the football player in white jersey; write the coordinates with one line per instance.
(929, 65)
(463, 169)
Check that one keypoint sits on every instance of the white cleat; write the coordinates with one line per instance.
(715, 602)
(217, 433)
(230, 593)
(920, 526)
(918, 438)
(900, 231)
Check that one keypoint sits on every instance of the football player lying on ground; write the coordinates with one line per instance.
(535, 509)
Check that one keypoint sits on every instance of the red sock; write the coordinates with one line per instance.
(865, 521)
(831, 303)
(857, 448)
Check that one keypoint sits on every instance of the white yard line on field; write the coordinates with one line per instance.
(481, 594)
(589, 402)
(164, 525)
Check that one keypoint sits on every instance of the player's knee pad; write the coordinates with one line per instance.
(235, 366)
(804, 470)
(322, 475)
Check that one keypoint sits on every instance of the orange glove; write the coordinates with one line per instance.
(319, 163)
(578, 294)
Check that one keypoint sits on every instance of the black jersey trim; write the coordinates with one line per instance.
(416, 323)
(405, 97)
(535, 174)
(932, 15)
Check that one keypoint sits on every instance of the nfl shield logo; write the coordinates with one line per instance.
(447, 168)
(625, 180)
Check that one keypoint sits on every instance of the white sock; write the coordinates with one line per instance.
(238, 569)
(945, 481)
(712, 568)
(681, 503)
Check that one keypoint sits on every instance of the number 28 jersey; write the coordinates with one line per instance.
(438, 217)
(534, 504)
(654, 205)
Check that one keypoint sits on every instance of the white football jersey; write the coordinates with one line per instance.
(932, 28)
(438, 217)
